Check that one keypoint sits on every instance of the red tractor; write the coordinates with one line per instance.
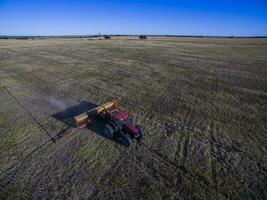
(117, 123)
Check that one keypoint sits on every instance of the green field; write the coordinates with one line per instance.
(202, 103)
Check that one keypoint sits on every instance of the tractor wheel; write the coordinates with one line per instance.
(126, 140)
(139, 139)
(140, 132)
(108, 131)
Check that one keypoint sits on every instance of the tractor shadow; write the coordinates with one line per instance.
(67, 117)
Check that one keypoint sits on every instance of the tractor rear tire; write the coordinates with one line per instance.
(108, 131)
(126, 140)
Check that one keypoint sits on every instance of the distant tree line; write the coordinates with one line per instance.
(142, 37)
(15, 37)
(107, 37)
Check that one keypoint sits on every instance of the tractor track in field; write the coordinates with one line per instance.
(185, 149)
(9, 177)
(212, 154)
(29, 113)
(14, 172)
(112, 170)
(93, 90)
(163, 101)
(75, 80)
(178, 168)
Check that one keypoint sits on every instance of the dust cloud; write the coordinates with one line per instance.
(57, 104)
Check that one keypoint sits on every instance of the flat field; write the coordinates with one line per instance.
(202, 104)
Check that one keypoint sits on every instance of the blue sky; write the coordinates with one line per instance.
(81, 17)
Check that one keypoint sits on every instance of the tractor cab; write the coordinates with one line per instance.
(123, 120)
(121, 116)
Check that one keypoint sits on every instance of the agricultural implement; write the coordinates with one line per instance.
(117, 123)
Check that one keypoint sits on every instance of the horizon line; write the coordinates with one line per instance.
(151, 35)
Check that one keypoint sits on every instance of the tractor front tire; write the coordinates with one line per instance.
(126, 140)
(108, 131)
(140, 137)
